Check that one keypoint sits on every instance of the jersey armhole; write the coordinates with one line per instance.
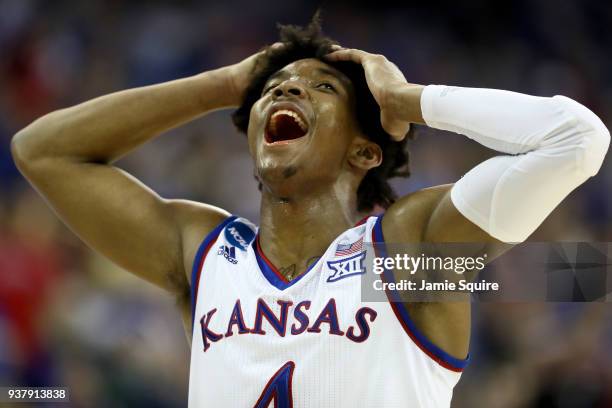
(198, 262)
(401, 312)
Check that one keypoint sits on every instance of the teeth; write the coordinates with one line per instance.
(294, 115)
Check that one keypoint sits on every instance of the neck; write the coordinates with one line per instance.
(294, 233)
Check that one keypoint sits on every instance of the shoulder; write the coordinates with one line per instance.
(411, 219)
(408, 218)
(194, 221)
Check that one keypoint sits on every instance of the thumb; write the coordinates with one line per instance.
(394, 127)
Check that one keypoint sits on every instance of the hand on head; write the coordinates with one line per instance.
(384, 80)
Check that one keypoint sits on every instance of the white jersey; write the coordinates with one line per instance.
(262, 341)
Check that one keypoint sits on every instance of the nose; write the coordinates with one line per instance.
(288, 89)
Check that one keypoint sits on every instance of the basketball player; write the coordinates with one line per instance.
(276, 315)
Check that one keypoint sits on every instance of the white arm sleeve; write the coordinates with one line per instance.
(554, 145)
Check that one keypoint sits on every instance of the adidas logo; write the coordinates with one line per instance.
(229, 253)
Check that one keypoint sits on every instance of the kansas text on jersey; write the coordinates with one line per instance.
(260, 340)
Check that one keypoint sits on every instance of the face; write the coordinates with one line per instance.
(302, 127)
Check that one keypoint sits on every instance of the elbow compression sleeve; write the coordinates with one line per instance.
(553, 145)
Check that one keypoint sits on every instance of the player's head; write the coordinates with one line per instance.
(313, 124)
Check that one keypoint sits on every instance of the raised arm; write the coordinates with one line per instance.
(551, 146)
(67, 155)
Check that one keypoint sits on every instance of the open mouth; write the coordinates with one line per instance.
(285, 125)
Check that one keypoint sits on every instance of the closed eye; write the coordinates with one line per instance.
(268, 89)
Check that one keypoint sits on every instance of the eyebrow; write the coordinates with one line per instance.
(275, 75)
(337, 75)
(327, 71)
(319, 70)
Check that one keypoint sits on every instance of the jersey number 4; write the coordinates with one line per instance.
(278, 388)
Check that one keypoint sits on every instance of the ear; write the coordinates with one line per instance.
(365, 155)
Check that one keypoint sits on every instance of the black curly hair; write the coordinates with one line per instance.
(310, 42)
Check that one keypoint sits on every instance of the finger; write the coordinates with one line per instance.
(395, 128)
(400, 133)
(277, 45)
(348, 54)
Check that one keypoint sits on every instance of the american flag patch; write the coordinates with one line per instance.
(349, 249)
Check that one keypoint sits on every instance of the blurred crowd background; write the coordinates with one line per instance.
(70, 318)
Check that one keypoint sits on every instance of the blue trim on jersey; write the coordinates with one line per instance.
(270, 272)
(197, 262)
(403, 312)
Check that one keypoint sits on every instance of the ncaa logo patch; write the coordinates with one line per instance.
(239, 234)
